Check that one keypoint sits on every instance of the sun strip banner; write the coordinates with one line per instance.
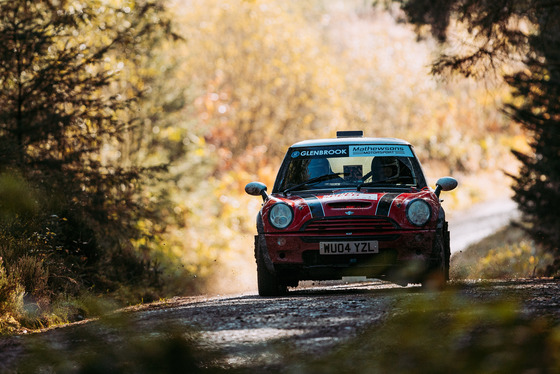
(362, 150)
(380, 150)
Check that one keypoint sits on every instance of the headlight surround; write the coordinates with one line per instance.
(281, 215)
(418, 212)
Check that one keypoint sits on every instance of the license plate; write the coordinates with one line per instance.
(352, 248)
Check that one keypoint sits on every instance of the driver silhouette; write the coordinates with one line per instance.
(318, 167)
(385, 168)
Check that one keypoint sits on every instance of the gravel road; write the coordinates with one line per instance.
(252, 332)
(470, 226)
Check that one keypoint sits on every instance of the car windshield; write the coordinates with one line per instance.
(319, 168)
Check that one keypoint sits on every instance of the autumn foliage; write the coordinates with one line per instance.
(129, 128)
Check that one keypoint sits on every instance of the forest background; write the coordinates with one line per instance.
(192, 101)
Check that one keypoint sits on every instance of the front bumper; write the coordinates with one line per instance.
(297, 256)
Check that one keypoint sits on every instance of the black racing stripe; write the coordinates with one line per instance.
(385, 204)
(315, 206)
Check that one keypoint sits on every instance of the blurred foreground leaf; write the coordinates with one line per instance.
(445, 333)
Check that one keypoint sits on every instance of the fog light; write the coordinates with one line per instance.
(281, 241)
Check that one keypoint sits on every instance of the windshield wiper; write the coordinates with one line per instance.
(313, 180)
(373, 183)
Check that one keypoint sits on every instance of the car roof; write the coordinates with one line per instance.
(350, 141)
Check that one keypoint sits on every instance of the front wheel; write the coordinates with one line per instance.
(268, 283)
(438, 274)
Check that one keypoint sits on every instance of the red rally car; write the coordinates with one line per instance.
(350, 206)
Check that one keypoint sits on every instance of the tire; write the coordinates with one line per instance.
(447, 251)
(268, 284)
(438, 273)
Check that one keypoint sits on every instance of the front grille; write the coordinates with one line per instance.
(344, 238)
(350, 205)
(343, 225)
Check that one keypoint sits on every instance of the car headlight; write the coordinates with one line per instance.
(418, 212)
(281, 215)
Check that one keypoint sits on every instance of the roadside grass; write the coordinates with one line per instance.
(58, 266)
(41, 288)
(507, 254)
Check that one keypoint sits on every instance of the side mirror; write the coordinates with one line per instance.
(445, 184)
(256, 189)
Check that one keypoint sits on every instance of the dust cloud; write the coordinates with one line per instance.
(235, 272)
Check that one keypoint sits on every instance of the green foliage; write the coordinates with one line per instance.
(16, 198)
(503, 33)
(47, 258)
(507, 254)
(60, 110)
(73, 195)
(511, 261)
(10, 300)
(482, 38)
(517, 261)
(537, 109)
(537, 187)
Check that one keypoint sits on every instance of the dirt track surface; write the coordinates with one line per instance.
(252, 332)
(313, 320)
